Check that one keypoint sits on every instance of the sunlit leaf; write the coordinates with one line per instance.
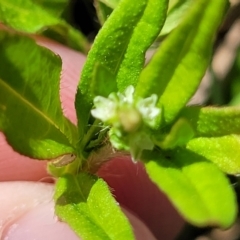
(213, 121)
(180, 133)
(178, 66)
(223, 151)
(195, 186)
(176, 13)
(120, 48)
(30, 110)
(88, 199)
(139, 43)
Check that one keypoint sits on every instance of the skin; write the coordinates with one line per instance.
(26, 205)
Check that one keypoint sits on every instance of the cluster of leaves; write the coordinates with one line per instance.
(189, 149)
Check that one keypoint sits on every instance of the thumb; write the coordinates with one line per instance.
(27, 212)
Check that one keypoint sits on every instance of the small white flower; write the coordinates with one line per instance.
(105, 108)
(127, 96)
(149, 111)
(130, 120)
(120, 107)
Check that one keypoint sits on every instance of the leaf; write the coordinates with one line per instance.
(223, 151)
(177, 67)
(30, 109)
(107, 51)
(143, 36)
(195, 186)
(27, 16)
(180, 133)
(103, 81)
(213, 121)
(110, 3)
(54, 7)
(86, 204)
(232, 79)
(176, 11)
(175, 14)
(114, 49)
(103, 11)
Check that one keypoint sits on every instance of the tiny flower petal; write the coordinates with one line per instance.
(105, 109)
(129, 94)
(147, 107)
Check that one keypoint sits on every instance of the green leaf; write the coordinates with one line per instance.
(180, 133)
(213, 121)
(176, 69)
(223, 151)
(54, 7)
(30, 109)
(86, 204)
(110, 3)
(143, 36)
(195, 186)
(115, 49)
(27, 16)
(176, 12)
(233, 79)
(103, 81)
(103, 10)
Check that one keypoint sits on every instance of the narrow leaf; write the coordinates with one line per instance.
(233, 79)
(176, 69)
(122, 42)
(28, 16)
(196, 187)
(88, 199)
(223, 151)
(30, 109)
(213, 121)
(108, 51)
(143, 36)
(180, 133)
(103, 11)
(176, 13)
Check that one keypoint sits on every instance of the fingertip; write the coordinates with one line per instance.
(27, 212)
(141, 231)
(15, 166)
(40, 223)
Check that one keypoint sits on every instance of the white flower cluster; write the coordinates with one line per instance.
(128, 119)
(118, 108)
